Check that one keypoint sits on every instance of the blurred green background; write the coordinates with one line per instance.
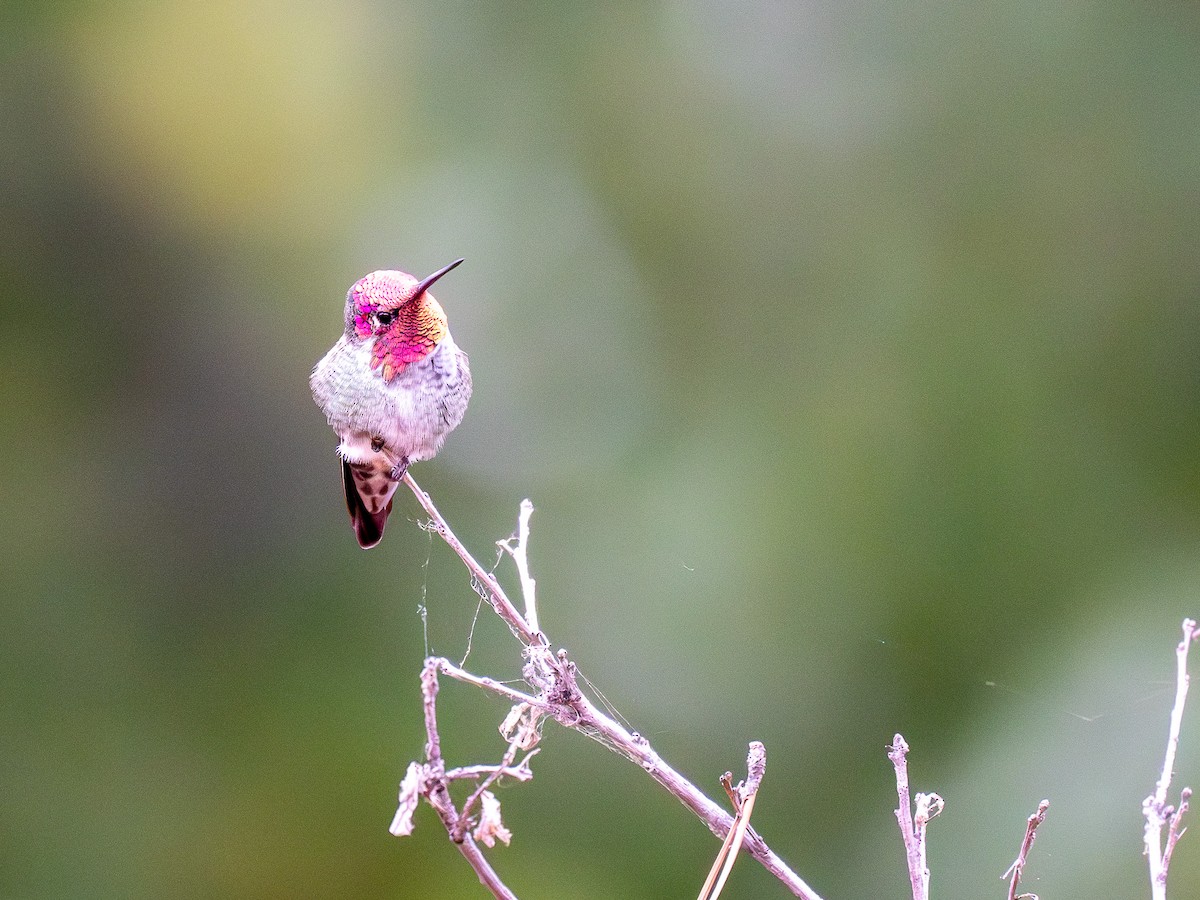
(850, 353)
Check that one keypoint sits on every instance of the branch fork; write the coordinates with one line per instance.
(555, 694)
(742, 797)
(913, 817)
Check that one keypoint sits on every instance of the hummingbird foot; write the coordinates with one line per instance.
(399, 469)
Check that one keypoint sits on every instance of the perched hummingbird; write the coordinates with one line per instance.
(393, 386)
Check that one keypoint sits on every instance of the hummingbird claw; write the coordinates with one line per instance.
(376, 444)
(399, 469)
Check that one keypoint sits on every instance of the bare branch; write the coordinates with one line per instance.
(519, 772)
(912, 824)
(429, 692)
(928, 806)
(481, 681)
(494, 593)
(519, 551)
(1155, 808)
(1174, 831)
(719, 822)
(434, 789)
(1014, 871)
(743, 800)
(898, 754)
(509, 755)
(487, 875)
(554, 678)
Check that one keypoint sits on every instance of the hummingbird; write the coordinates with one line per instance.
(392, 387)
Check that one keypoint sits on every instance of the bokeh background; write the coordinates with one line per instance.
(849, 351)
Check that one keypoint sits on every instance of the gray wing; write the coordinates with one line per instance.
(458, 392)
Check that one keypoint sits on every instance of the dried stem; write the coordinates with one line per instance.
(495, 594)
(1014, 871)
(927, 807)
(464, 816)
(743, 803)
(912, 823)
(1155, 808)
(898, 754)
(727, 783)
(519, 772)
(488, 684)
(557, 695)
(1174, 831)
(553, 676)
(520, 554)
(435, 791)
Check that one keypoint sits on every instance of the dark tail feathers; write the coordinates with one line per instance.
(368, 527)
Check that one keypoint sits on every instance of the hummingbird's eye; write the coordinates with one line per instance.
(384, 317)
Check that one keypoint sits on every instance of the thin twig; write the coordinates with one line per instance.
(1174, 831)
(519, 772)
(719, 822)
(727, 783)
(464, 815)
(482, 681)
(1155, 808)
(487, 875)
(927, 807)
(429, 692)
(743, 800)
(898, 754)
(553, 675)
(912, 824)
(520, 555)
(1018, 866)
(436, 792)
(495, 594)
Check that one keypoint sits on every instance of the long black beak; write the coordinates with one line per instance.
(427, 283)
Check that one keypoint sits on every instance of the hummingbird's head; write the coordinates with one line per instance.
(397, 312)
